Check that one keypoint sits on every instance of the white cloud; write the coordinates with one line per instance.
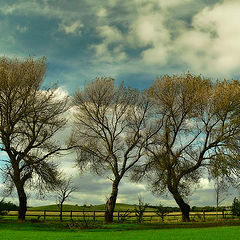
(172, 3)
(27, 8)
(104, 54)
(61, 92)
(73, 27)
(156, 55)
(212, 46)
(102, 12)
(150, 30)
(69, 21)
(110, 35)
(22, 29)
(205, 184)
(146, 29)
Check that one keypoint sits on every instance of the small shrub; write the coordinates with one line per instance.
(81, 225)
(34, 220)
(124, 216)
(162, 211)
(197, 217)
(140, 209)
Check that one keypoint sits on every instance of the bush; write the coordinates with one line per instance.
(236, 207)
(6, 207)
(140, 209)
(162, 211)
(124, 216)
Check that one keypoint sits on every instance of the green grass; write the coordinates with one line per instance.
(176, 234)
(198, 234)
(50, 231)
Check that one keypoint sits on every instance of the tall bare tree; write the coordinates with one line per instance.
(29, 119)
(201, 122)
(110, 131)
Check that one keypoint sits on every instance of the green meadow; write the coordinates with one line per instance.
(40, 231)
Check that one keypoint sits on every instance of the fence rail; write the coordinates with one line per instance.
(118, 215)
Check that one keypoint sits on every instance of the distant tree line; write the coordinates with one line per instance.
(182, 128)
(8, 206)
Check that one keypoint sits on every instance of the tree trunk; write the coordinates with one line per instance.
(217, 200)
(110, 204)
(185, 208)
(22, 202)
(61, 210)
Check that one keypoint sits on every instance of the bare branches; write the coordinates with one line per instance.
(65, 190)
(110, 124)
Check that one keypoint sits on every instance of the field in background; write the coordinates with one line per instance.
(123, 213)
(101, 207)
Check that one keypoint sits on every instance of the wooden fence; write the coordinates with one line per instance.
(118, 215)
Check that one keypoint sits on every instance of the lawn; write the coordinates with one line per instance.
(29, 231)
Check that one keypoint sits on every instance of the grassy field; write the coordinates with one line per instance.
(29, 231)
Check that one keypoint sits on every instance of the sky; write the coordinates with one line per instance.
(132, 41)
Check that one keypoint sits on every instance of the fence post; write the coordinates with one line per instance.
(44, 214)
(118, 216)
(94, 215)
(204, 215)
(71, 215)
(223, 213)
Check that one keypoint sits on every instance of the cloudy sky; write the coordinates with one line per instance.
(133, 41)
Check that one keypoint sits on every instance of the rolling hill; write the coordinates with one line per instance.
(101, 207)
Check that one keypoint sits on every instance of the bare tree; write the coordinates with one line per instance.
(200, 121)
(29, 119)
(221, 190)
(64, 192)
(221, 181)
(110, 131)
